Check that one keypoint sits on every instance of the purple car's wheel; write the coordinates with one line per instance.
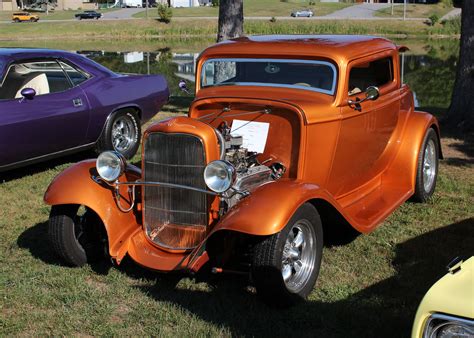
(122, 134)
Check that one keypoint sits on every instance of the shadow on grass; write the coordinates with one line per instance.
(385, 309)
(36, 168)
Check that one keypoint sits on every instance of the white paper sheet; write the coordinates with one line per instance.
(254, 134)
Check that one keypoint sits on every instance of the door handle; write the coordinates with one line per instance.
(77, 102)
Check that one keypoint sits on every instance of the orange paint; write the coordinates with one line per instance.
(363, 163)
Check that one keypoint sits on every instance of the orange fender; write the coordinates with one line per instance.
(403, 168)
(75, 186)
(269, 208)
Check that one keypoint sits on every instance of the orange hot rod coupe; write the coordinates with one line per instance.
(288, 137)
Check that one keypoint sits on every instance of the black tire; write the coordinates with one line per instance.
(267, 264)
(425, 179)
(77, 239)
(109, 134)
(16, 20)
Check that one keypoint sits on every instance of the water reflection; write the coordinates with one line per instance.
(429, 68)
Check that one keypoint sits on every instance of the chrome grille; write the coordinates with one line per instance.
(174, 218)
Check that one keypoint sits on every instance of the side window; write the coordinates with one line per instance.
(376, 73)
(76, 76)
(44, 77)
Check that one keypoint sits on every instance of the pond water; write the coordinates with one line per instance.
(429, 67)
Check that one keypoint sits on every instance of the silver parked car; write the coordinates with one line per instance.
(303, 12)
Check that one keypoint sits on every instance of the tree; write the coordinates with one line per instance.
(461, 111)
(231, 19)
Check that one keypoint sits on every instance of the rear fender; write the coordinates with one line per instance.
(402, 170)
(75, 186)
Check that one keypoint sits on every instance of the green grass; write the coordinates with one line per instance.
(56, 15)
(416, 10)
(181, 29)
(368, 288)
(266, 8)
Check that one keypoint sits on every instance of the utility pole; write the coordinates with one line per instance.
(146, 9)
(404, 10)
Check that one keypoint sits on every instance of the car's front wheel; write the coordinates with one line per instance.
(121, 133)
(427, 167)
(286, 265)
(76, 234)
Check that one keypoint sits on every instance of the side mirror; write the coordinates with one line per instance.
(372, 93)
(28, 93)
(183, 86)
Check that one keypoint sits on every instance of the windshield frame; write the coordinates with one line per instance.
(331, 92)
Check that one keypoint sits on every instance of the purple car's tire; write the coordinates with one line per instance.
(76, 234)
(122, 133)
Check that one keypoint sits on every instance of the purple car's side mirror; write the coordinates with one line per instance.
(183, 86)
(28, 93)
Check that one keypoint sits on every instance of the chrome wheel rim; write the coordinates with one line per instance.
(299, 256)
(429, 166)
(123, 133)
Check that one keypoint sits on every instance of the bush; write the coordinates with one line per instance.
(273, 19)
(215, 3)
(164, 13)
(433, 19)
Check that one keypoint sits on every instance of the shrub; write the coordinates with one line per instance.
(215, 3)
(164, 13)
(433, 19)
(273, 19)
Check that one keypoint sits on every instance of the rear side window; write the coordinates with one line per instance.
(376, 73)
(76, 76)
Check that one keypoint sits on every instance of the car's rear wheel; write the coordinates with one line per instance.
(122, 133)
(286, 265)
(427, 167)
(76, 234)
(16, 20)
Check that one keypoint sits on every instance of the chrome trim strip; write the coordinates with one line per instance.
(99, 179)
(319, 90)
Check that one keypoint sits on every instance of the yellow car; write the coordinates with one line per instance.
(447, 310)
(24, 16)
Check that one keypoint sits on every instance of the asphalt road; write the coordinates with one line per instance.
(356, 12)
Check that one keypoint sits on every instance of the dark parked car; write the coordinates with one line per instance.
(54, 102)
(88, 15)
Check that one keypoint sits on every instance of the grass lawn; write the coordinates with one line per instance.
(416, 10)
(267, 8)
(178, 29)
(368, 288)
(56, 15)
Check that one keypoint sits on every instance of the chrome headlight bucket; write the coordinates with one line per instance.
(219, 176)
(110, 165)
(447, 326)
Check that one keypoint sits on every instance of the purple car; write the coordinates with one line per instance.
(54, 102)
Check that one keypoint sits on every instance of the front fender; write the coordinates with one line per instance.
(75, 186)
(269, 208)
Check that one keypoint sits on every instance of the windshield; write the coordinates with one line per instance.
(317, 76)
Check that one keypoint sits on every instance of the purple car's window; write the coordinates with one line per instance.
(319, 76)
(44, 77)
(76, 76)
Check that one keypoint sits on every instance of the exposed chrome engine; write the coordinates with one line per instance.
(250, 173)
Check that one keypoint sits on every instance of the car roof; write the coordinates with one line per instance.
(340, 48)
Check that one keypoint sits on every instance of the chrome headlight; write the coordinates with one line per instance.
(110, 165)
(219, 176)
(444, 326)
